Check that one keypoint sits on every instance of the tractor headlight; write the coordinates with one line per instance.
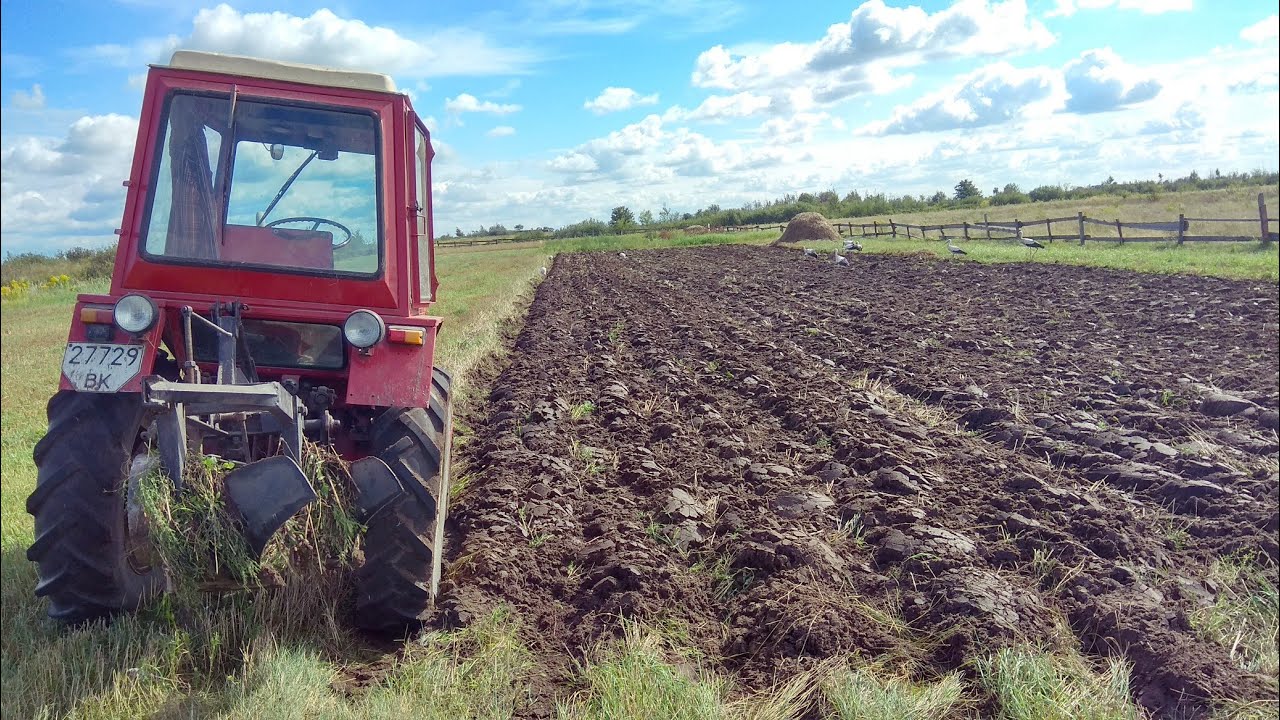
(135, 314)
(363, 328)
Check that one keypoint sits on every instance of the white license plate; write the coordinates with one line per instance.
(101, 367)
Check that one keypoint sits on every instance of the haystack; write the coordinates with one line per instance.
(807, 226)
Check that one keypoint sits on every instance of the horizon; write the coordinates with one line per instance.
(547, 114)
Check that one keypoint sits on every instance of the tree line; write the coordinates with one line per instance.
(965, 194)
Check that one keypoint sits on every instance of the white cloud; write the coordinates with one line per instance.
(614, 99)
(1067, 8)
(467, 102)
(324, 38)
(1099, 80)
(33, 100)
(718, 108)
(66, 191)
(861, 55)
(501, 131)
(1264, 31)
(1187, 117)
(990, 95)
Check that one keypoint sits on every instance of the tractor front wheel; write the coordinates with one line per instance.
(82, 536)
(397, 584)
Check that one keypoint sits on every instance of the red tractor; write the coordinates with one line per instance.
(272, 281)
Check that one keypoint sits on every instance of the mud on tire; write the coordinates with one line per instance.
(397, 584)
(81, 538)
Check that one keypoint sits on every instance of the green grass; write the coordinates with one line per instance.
(1028, 684)
(1243, 261)
(1245, 618)
(871, 693)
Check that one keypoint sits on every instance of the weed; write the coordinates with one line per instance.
(581, 410)
(615, 332)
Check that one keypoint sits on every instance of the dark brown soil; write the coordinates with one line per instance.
(781, 454)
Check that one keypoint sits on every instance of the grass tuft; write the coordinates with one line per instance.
(1028, 684)
(870, 693)
(1245, 618)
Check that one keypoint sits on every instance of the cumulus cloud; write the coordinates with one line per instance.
(1186, 118)
(324, 38)
(501, 131)
(1264, 31)
(718, 108)
(33, 100)
(990, 95)
(67, 188)
(1099, 80)
(861, 55)
(1067, 8)
(468, 103)
(614, 99)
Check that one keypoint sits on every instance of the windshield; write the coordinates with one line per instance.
(278, 185)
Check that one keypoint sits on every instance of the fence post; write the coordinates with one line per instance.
(875, 226)
(1120, 231)
(893, 228)
(1048, 227)
(1080, 219)
(966, 230)
(987, 222)
(1181, 224)
(1017, 226)
(1262, 220)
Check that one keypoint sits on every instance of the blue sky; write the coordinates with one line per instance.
(547, 112)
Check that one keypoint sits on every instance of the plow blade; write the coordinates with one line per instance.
(266, 494)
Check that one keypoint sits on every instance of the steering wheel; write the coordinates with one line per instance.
(315, 223)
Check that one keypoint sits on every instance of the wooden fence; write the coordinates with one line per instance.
(1079, 226)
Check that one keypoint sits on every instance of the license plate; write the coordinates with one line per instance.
(101, 367)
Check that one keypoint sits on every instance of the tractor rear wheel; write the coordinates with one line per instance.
(397, 584)
(82, 538)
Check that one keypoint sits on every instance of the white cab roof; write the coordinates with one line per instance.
(289, 72)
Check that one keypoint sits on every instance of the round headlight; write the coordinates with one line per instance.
(363, 328)
(135, 313)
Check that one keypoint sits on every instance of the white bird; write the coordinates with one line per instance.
(1031, 243)
(955, 249)
(851, 245)
(544, 271)
(622, 255)
(839, 259)
(810, 252)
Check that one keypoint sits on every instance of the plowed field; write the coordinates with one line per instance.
(901, 459)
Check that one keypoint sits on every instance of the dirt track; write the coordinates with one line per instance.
(782, 453)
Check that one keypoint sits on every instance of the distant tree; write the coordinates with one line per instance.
(965, 189)
(458, 232)
(938, 198)
(1011, 189)
(828, 197)
(646, 217)
(621, 219)
(666, 215)
(519, 228)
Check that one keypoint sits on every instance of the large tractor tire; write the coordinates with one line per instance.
(82, 536)
(396, 586)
